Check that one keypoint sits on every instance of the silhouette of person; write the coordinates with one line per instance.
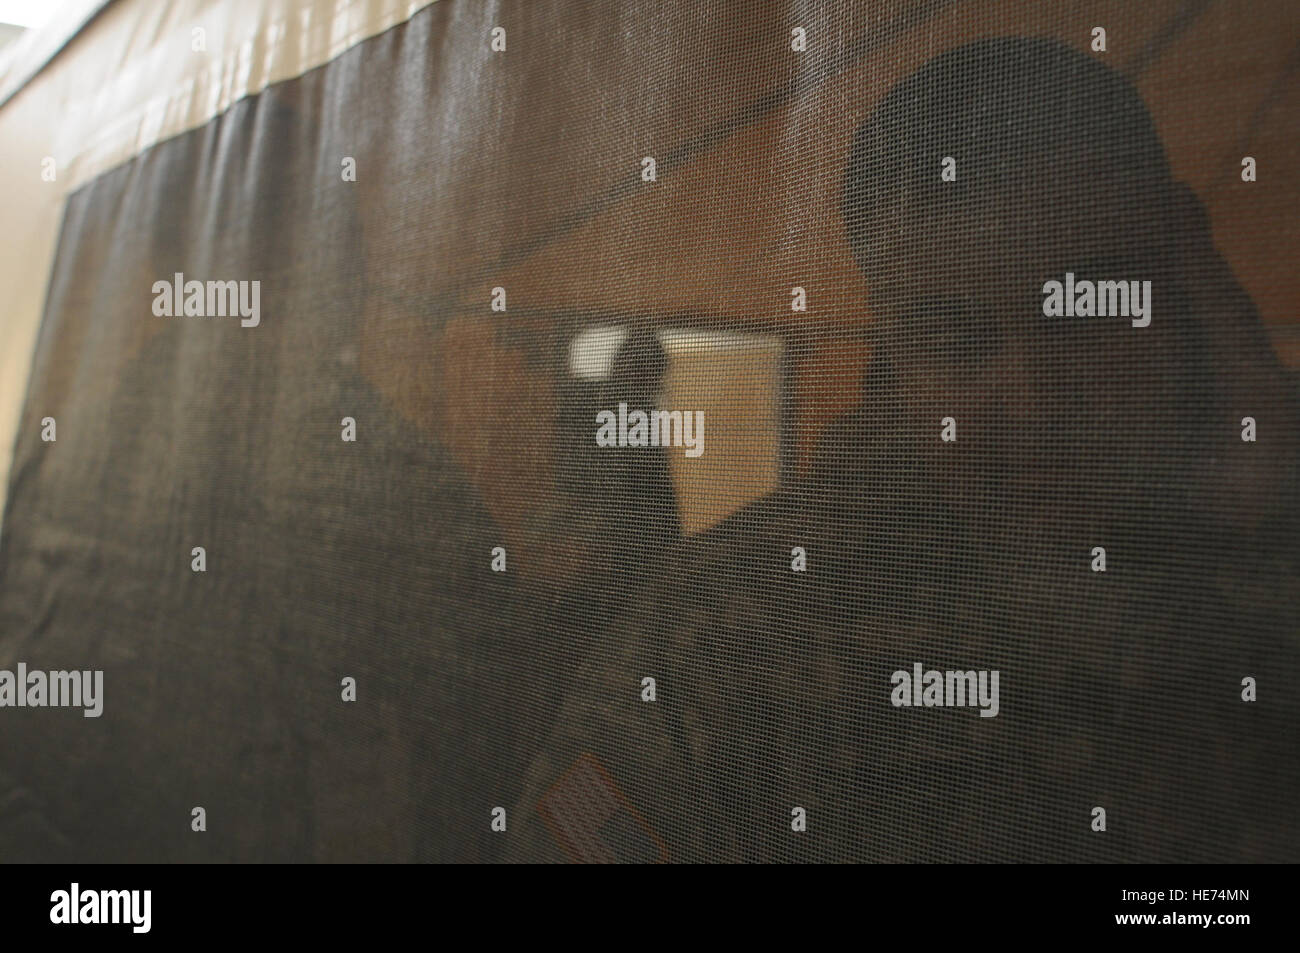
(638, 487)
(1119, 689)
(1072, 432)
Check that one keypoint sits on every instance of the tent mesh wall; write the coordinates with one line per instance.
(825, 235)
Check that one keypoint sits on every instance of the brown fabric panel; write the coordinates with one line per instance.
(522, 689)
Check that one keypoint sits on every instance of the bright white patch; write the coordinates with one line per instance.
(591, 355)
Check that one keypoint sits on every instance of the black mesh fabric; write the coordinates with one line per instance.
(826, 537)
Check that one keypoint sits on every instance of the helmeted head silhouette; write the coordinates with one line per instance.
(1059, 171)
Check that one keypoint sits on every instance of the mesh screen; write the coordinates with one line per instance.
(970, 508)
